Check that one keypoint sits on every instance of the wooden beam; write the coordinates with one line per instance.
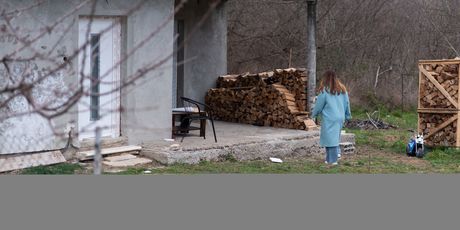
(441, 126)
(445, 61)
(440, 88)
(457, 144)
(419, 99)
(423, 110)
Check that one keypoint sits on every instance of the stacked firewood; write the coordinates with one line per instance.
(276, 98)
(447, 76)
(446, 136)
(438, 101)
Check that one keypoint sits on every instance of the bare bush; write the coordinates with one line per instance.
(355, 37)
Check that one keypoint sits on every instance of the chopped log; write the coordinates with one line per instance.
(439, 85)
(274, 98)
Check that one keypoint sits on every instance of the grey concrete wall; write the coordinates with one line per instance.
(205, 50)
(146, 104)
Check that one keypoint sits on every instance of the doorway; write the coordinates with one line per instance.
(98, 62)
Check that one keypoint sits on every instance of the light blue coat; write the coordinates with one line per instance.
(334, 110)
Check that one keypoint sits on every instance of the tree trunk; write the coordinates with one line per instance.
(311, 53)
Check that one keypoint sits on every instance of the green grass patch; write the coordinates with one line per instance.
(59, 169)
(393, 140)
(444, 160)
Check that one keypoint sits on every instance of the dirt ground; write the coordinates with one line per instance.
(361, 153)
(364, 151)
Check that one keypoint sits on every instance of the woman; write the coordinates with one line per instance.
(333, 105)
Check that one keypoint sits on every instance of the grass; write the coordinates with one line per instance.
(393, 140)
(387, 148)
(444, 160)
(64, 168)
(439, 160)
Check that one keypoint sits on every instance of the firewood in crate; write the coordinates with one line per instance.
(431, 126)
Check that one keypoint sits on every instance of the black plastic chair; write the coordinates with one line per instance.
(201, 112)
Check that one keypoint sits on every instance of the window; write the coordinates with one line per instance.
(95, 80)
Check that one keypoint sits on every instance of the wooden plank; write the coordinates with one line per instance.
(281, 88)
(293, 109)
(107, 151)
(458, 120)
(441, 61)
(301, 113)
(440, 88)
(288, 97)
(240, 88)
(291, 103)
(309, 123)
(423, 110)
(441, 126)
(22, 161)
(419, 99)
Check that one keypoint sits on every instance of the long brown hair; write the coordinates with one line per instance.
(331, 83)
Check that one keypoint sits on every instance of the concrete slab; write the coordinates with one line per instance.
(123, 157)
(21, 161)
(85, 155)
(128, 163)
(242, 141)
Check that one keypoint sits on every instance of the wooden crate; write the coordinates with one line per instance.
(438, 102)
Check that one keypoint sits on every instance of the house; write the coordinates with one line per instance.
(135, 50)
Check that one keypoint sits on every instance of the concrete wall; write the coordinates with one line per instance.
(205, 49)
(31, 132)
(146, 104)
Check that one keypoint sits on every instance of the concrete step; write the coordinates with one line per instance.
(128, 163)
(86, 155)
(106, 142)
(123, 157)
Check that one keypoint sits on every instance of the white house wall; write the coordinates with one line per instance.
(146, 104)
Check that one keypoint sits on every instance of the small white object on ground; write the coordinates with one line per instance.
(276, 160)
(147, 171)
(168, 139)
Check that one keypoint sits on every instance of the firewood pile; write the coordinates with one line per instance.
(445, 137)
(277, 98)
(439, 102)
(447, 77)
